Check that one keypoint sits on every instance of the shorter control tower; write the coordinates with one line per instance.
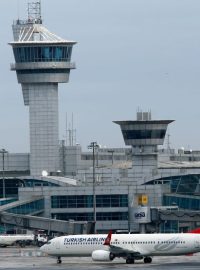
(42, 60)
(144, 135)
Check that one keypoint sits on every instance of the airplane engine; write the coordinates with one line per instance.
(102, 255)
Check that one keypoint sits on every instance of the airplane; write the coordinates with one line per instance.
(131, 247)
(11, 239)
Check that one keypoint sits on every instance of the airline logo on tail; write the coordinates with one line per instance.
(108, 239)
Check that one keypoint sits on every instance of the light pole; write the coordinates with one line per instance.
(93, 146)
(3, 152)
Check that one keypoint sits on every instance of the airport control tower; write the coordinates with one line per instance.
(144, 135)
(42, 60)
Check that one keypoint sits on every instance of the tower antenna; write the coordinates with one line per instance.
(34, 12)
(18, 9)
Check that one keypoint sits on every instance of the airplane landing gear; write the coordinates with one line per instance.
(112, 256)
(59, 260)
(130, 260)
(147, 260)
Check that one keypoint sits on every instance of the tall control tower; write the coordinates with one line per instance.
(42, 60)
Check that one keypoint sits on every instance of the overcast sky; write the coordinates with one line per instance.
(130, 54)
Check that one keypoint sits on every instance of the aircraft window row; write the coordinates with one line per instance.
(84, 243)
(115, 243)
(139, 242)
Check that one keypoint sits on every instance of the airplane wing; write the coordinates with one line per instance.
(117, 249)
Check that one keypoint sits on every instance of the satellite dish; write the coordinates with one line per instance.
(44, 173)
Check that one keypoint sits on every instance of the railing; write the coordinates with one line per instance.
(42, 65)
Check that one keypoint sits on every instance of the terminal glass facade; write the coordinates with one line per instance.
(6, 201)
(43, 54)
(11, 187)
(100, 216)
(28, 208)
(189, 203)
(86, 201)
(181, 184)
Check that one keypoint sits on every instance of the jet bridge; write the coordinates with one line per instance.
(23, 214)
(149, 219)
(48, 224)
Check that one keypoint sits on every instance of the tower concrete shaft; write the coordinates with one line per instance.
(43, 121)
(42, 60)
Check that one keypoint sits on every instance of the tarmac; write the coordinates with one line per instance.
(33, 258)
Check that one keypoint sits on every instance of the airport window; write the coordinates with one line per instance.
(89, 216)
(144, 134)
(182, 184)
(11, 187)
(73, 216)
(182, 202)
(39, 71)
(86, 201)
(112, 201)
(112, 216)
(43, 54)
(28, 208)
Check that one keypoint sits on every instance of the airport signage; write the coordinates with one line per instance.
(141, 214)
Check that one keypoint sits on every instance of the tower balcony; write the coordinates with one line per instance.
(42, 65)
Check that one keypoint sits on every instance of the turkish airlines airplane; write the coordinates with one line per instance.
(9, 240)
(131, 247)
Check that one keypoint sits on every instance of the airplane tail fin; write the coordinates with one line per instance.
(197, 230)
(108, 239)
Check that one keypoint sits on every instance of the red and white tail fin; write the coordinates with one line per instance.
(108, 239)
(197, 230)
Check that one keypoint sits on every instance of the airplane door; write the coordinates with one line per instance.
(57, 245)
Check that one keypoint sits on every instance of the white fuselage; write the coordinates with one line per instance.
(8, 240)
(143, 244)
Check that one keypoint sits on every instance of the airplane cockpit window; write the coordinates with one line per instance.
(48, 243)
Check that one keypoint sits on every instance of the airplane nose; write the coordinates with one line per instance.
(43, 248)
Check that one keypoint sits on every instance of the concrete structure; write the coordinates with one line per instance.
(42, 61)
(144, 135)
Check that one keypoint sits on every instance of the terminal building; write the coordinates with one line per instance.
(140, 175)
(114, 187)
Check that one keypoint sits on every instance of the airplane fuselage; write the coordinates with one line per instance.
(123, 244)
(8, 240)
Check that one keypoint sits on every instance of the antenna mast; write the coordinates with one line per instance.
(34, 12)
(70, 132)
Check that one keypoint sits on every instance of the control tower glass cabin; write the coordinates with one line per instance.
(42, 60)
